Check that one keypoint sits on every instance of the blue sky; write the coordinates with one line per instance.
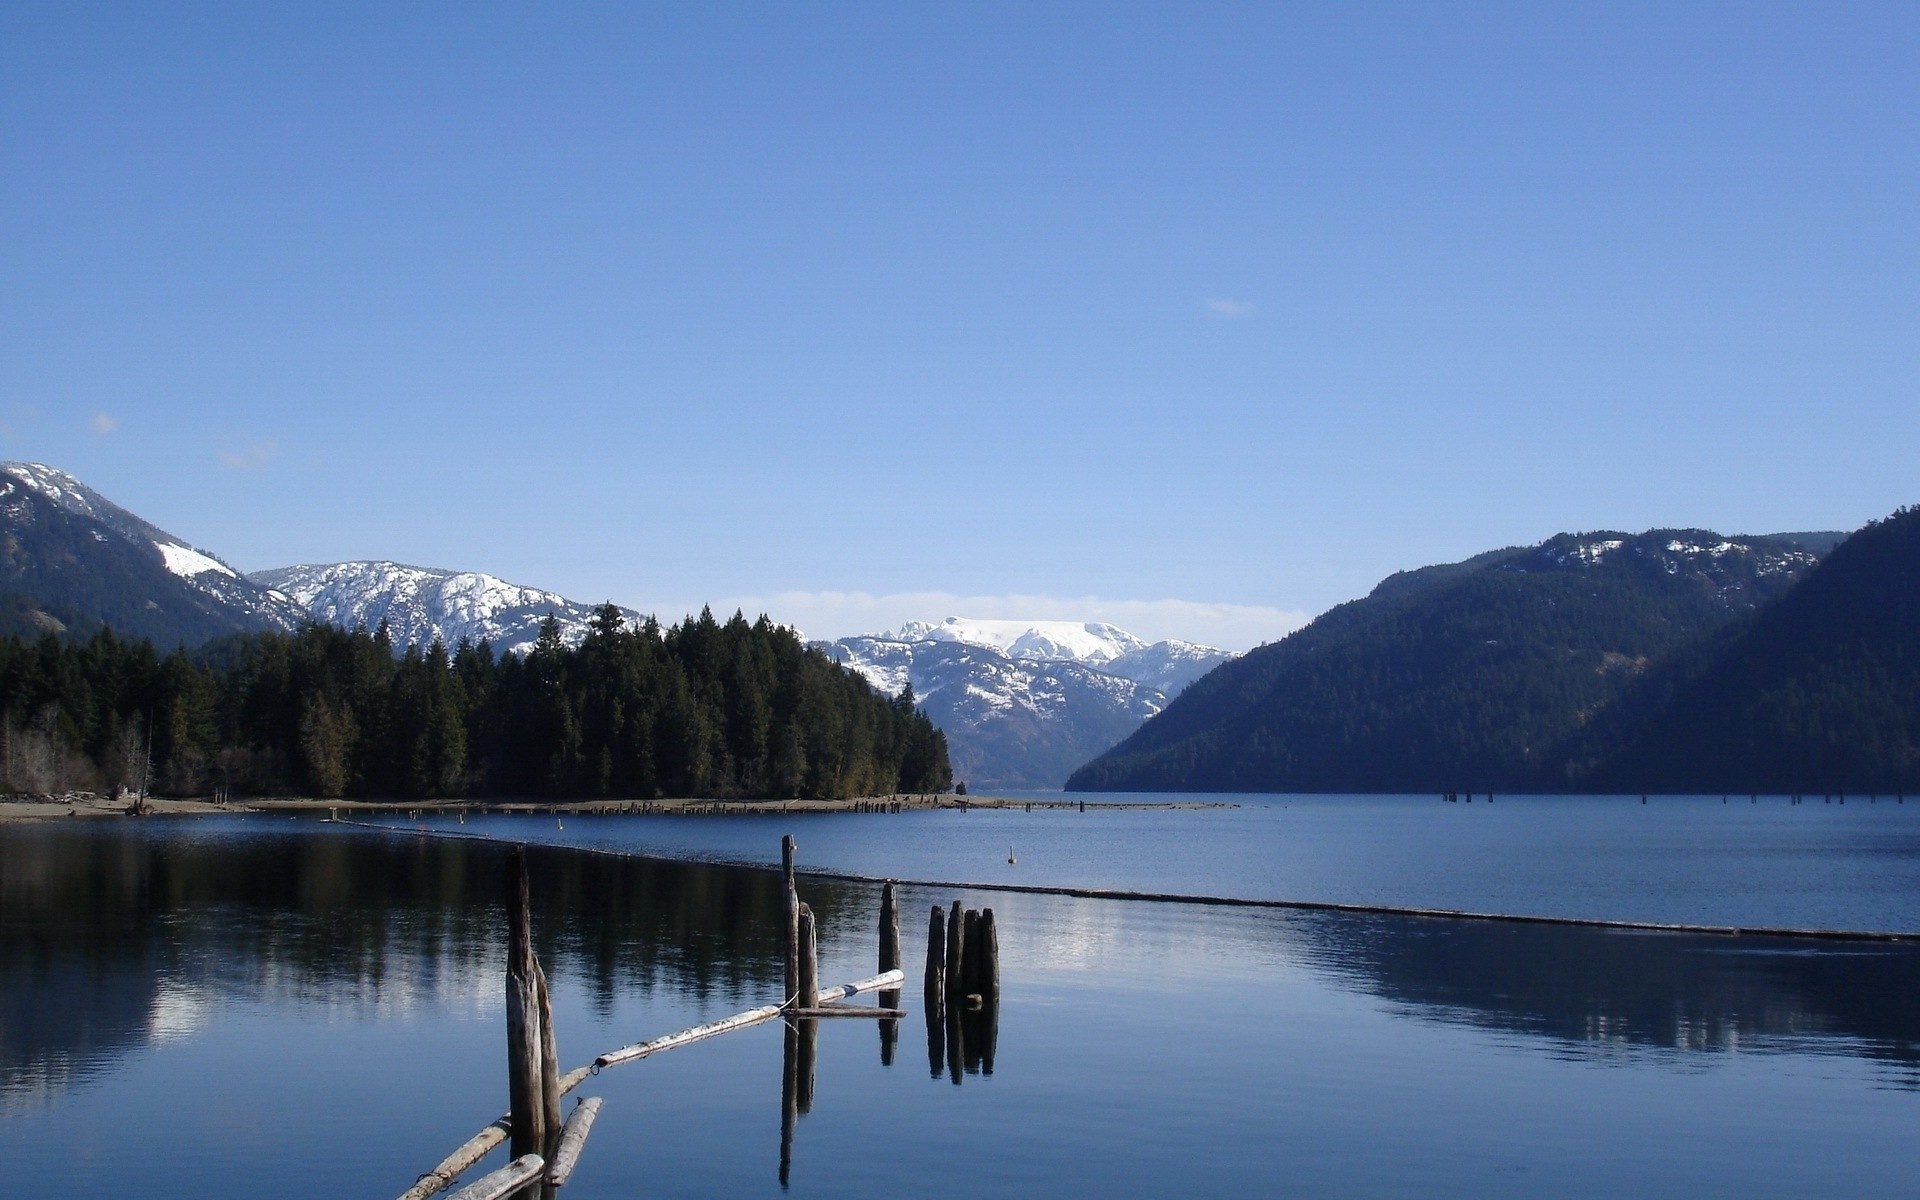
(1195, 318)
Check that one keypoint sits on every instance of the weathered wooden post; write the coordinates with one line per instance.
(809, 991)
(936, 955)
(956, 950)
(550, 1119)
(889, 961)
(793, 917)
(525, 1086)
(970, 963)
(989, 958)
(889, 931)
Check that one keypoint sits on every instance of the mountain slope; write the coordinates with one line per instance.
(1468, 674)
(1818, 692)
(70, 557)
(1023, 703)
(420, 604)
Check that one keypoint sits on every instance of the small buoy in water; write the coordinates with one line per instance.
(557, 824)
(1010, 857)
(463, 818)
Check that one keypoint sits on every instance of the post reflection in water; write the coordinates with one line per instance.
(962, 1041)
(800, 1050)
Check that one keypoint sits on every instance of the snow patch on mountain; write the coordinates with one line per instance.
(421, 604)
(187, 563)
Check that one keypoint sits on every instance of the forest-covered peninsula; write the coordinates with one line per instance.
(703, 708)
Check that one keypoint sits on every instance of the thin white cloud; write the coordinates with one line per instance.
(830, 615)
(248, 454)
(104, 424)
(1229, 307)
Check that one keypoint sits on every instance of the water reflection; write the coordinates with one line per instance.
(1590, 992)
(114, 938)
(109, 937)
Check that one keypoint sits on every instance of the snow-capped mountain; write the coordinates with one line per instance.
(1025, 702)
(420, 604)
(69, 548)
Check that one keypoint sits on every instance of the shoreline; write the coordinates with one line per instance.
(87, 805)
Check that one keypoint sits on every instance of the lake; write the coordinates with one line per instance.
(251, 1006)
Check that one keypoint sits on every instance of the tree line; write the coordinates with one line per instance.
(703, 708)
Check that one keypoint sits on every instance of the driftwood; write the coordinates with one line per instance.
(847, 1010)
(573, 1139)
(504, 1182)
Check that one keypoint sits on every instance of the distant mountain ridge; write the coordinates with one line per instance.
(1459, 675)
(69, 550)
(423, 604)
(1024, 702)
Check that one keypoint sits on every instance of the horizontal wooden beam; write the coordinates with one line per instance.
(847, 1010)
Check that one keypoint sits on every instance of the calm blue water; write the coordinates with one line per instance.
(1674, 860)
(243, 1008)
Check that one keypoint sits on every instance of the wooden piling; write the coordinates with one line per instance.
(970, 954)
(808, 993)
(889, 931)
(525, 1087)
(889, 961)
(956, 950)
(936, 955)
(549, 1066)
(793, 917)
(989, 957)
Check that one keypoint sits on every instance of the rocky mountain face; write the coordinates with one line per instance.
(69, 557)
(1469, 674)
(1024, 703)
(420, 604)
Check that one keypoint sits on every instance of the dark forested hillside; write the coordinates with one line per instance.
(700, 709)
(1466, 675)
(1818, 692)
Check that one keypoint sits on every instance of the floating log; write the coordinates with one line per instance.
(808, 994)
(687, 1037)
(874, 983)
(526, 1107)
(504, 1182)
(573, 1139)
(847, 1010)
